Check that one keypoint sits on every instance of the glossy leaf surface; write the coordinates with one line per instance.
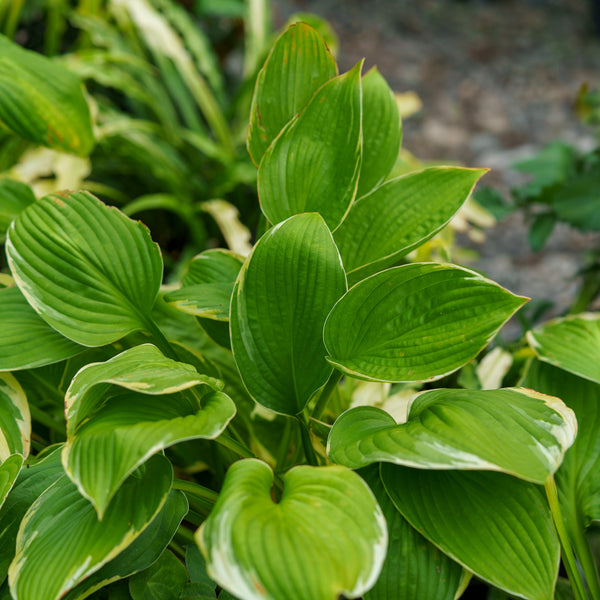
(281, 298)
(516, 431)
(313, 165)
(416, 322)
(496, 526)
(90, 272)
(571, 343)
(61, 540)
(298, 64)
(325, 536)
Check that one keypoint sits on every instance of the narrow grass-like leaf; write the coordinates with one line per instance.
(381, 130)
(416, 322)
(326, 535)
(516, 431)
(61, 541)
(298, 65)
(496, 526)
(15, 421)
(413, 567)
(571, 343)
(43, 102)
(88, 270)
(280, 301)
(313, 165)
(27, 341)
(401, 214)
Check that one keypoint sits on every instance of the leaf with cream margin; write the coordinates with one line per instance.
(498, 527)
(61, 541)
(281, 299)
(516, 431)
(313, 165)
(297, 66)
(571, 343)
(325, 536)
(89, 271)
(130, 408)
(416, 322)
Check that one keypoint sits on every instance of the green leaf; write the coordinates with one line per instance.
(517, 431)
(401, 214)
(571, 343)
(413, 567)
(43, 102)
(164, 580)
(324, 537)
(207, 300)
(213, 266)
(541, 228)
(9, 470)
(15, 421)
(280, 302)
(416, 322)
(298, 64)
(27, 341)
(142, 552)
(88, 270)
(496, 526)
(14, 198)
(61, 541)
(313, 165)
(381, 131)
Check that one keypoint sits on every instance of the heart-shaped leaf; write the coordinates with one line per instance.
(517, 431)
(313, 164)
(43, 102)
(297, 66)
(281, 298)
(324, 537)
(27, 341)
(561, 342)
(381, 131)
(400, 215)
(89, 271)
(416, 322)
(61, 541)
(413, 567)
(496, 526)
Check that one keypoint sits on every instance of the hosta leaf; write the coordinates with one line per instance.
(27, 341)
(324, 537)
(402, 214)
(381, 131)
(142, 552)
(43, 102)
(9, 470)
(164, 580)
(207, 300)
(143, 368)
(496, 526)
(279, 305)
(61, 541)
(571, 343)
(298, 64)
(413, 567)
(313, 164)
(517, 431)
(89, 271)
(14, 198)
(213, 266)
(416, 322)
(15, 421)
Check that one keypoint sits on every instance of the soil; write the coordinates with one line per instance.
(498, 81)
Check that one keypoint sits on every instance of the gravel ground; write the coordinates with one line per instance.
(498, 80)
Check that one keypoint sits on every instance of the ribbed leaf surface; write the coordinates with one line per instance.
(298, 64)
(571, 343)
(326, 535)
(281, 298)
(313, 164)
(516, 431)
(90, 272)
(61, 540)
(416, 322)
(496, 526)
(43, 102)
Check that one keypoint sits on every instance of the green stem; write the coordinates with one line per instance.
(329, 388)
(567, 551)
(16, 6)
(37, 414)
(201, 499)
(309, 451)
(235, 446)
(587, 562)
(160, 340)
(284, 446)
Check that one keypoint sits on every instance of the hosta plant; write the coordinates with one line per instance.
(194, 442)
